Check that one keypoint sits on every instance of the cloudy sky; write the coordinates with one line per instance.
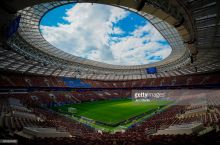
(104, 33)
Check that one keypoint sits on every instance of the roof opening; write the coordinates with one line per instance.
(104, 33)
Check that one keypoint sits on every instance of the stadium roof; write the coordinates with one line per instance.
(188, 26)
(29, 31)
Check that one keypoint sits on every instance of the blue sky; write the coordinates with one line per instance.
(104, 33)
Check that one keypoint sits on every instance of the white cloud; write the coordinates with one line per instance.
(87, 34)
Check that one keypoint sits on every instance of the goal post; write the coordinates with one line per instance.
(72, 110)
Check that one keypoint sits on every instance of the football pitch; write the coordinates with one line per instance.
(113, 111)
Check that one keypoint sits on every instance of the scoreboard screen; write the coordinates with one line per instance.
(151, 70)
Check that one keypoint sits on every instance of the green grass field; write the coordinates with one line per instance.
(113, 111)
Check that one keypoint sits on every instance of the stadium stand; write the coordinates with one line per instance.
(17, 117)
(18, 80)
